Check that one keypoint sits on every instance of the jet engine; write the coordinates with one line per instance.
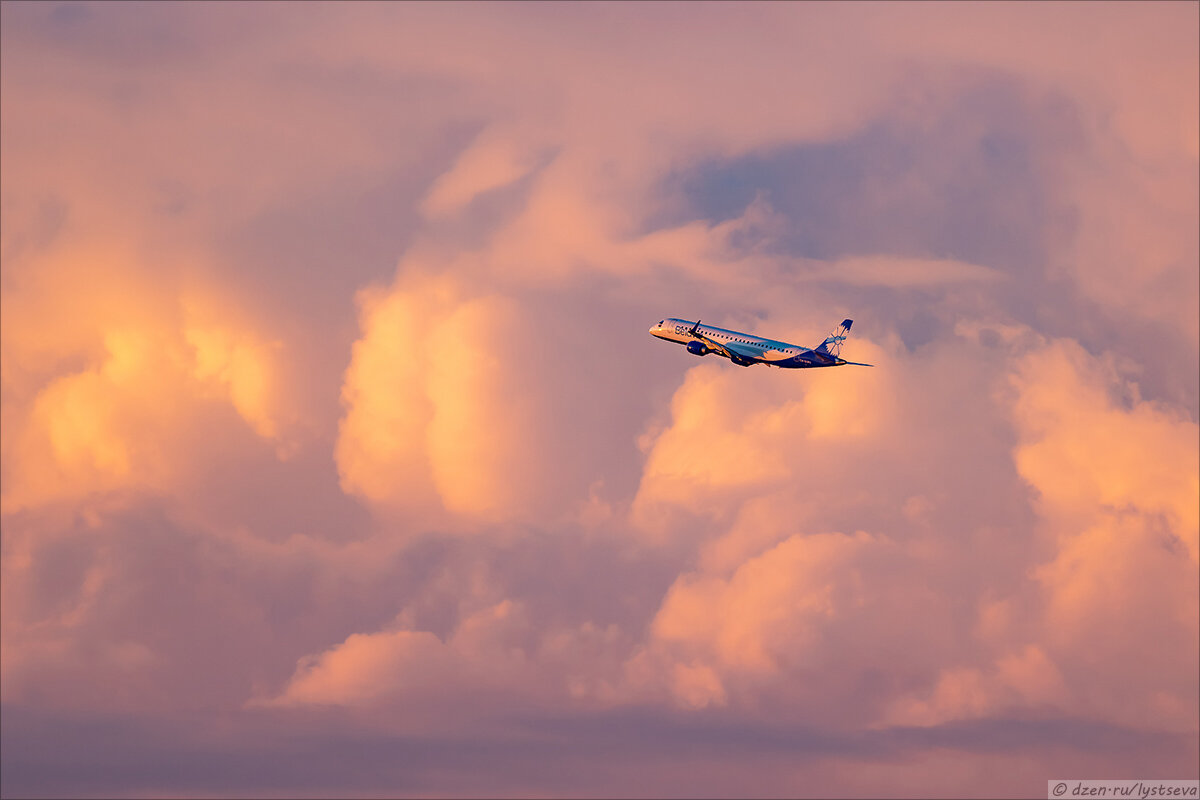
(697, 348)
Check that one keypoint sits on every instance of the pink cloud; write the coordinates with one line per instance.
(274, 493)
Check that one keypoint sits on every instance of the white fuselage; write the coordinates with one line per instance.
(741, 348)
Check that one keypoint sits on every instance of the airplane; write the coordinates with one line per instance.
(745, 349)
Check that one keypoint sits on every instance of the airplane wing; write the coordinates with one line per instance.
(711, 344)
(729, 350)
(744, 352)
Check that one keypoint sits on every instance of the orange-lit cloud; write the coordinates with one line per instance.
(1116, 486)
(1118, 481)
(435, 407)
(106, 379)
(767, 616)
(733, 433)
(1116, 496)
(330, 419)
(1091, 455)
(494, 657)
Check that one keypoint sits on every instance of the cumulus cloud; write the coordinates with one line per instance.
(1047, 633)
(330, 417)
(495, 658)
(766, 620)
(438, 403)
(764, 631)
(367, 667)
(1090, 454)
(733, 434)
(1117, 483)
(107, 398)
(495, 160)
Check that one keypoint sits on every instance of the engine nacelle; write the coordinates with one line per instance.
(697, 348)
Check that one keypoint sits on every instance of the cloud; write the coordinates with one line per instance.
(1117, 485)
(336, 456)
(765, 630)
(436, 407)
(734, 433)
(492, 162)
(364, 667)
(776, 597)
(241, 367)
(101, 388)
(906, 272)
(1041, 633)
(1092, 456)
(494, 658)
(1025, 678)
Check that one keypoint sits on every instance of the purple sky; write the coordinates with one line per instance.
(337, 460)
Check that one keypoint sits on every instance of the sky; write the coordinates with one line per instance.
(336, 459)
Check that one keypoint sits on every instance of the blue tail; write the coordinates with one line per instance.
(832, 345)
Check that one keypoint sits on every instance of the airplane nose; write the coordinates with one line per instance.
(653, 328)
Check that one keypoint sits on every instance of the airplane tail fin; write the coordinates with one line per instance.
(832, 346)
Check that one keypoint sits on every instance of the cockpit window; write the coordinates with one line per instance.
(660, 322)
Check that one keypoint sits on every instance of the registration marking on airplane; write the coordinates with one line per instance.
(745, 349)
